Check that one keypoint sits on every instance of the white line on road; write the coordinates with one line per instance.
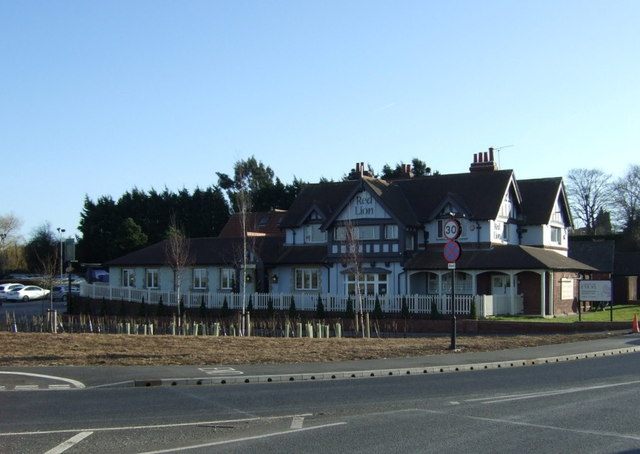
(74, 383)
(297, 422)
(151, 426)
(71, 442)
(507, 398)
(238, 440)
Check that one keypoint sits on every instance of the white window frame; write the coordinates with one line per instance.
(227, 278)
(128, 277)
(390, 232)
(556, 235)
(307, 279)
(200, 278)
(361, 232)
(370, 284)
(152, 278)
(313, 234)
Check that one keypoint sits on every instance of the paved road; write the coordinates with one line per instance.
(26, 378)
(586, 406)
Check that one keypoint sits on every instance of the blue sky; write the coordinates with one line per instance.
(101, 97)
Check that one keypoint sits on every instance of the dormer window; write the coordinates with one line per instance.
(557, 216)
(313, 234)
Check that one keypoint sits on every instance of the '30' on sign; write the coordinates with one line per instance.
(452, 229)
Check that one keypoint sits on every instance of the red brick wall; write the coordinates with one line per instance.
(568, 306)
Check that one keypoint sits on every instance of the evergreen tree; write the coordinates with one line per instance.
(404, 309)
(122, 312)
(161, 310)
(270, 310)
(181, 306)
(143, 309)
(203, 307)
(435, 314)
(320, 308)
(377, 310)
(349, 313)
(292, 309)
(224, 310)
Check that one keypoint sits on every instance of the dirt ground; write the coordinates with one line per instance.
(44, 349)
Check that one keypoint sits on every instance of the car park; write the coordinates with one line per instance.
(6, 288)
(61, 292)
(30, 292)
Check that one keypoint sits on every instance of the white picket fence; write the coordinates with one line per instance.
(417, 304)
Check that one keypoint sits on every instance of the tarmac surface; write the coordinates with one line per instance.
(77, 377)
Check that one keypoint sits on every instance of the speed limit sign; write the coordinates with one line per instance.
(451, 229)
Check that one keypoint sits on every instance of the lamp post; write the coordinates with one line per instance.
(60, 232)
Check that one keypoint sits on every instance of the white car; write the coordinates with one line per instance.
(6, 288)
(30, 292)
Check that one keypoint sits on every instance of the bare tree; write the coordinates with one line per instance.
(589, 192)
(626, 197)
(353, 259)
(177, 250)
(9, 237)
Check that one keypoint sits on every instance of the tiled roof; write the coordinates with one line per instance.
(627, 264)
(326, 197)
(265, 223)
(299, 255)
(538, 199)
(498, 258)
(204, 251)
(481, 192)
(411, 201)
(599, 254)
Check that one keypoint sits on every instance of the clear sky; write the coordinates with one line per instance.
(99, 97)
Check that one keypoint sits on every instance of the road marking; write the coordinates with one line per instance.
(71, 442)
(153, 426)
(220, 371)
(537, 426)
(26, 387)
(76, 384)
(297, 422)
(508, 398)
(238, 440)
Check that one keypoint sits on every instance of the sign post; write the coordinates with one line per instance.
(452, 250)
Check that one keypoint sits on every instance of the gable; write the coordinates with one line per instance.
(363, 205)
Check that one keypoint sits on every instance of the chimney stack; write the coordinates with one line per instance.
(483, 162)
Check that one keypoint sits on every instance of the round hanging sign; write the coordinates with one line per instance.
(452, 251)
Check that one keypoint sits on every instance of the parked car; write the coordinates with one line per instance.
(6, 288)
(30, 292)
(60, 292)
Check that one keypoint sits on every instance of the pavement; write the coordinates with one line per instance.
(74, 377)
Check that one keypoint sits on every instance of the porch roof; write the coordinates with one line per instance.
(498, 258)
